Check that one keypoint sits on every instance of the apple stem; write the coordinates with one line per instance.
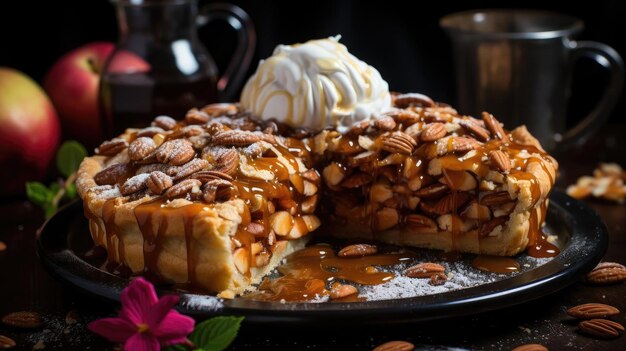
(59, 195)
(92, 65)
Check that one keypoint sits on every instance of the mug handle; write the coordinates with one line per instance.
(239, 20)
(608, 58)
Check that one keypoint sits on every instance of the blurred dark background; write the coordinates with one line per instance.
(401, 39)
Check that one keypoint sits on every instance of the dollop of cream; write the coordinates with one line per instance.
(316, 85)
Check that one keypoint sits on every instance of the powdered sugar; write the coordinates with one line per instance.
(202, 302)
(105, 192)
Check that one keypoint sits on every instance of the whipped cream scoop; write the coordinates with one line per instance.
(316, 85)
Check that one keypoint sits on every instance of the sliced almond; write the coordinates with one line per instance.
(311, 221)
(309, 204)
(298, 230)
(310, 189)
(241, 257)
(333, 174)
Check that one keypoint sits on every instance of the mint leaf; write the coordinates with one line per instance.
(215, 334)
(69, 156)
(37, 193)
(70, 191)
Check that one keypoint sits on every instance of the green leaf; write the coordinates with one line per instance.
(49, 210)
(37, 193)
(176, 348)
(69, 157)
(70, 192)
(216, 334)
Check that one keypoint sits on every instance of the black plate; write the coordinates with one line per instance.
(582, 238)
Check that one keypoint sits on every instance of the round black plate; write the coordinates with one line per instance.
(582, 238)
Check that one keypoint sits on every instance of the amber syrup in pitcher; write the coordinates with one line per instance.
(134, 100)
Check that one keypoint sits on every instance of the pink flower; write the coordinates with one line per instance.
(145, 322)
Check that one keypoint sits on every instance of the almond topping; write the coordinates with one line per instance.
(412, 99)
(433, 132)
(158, 182)
(111, 175)
(500, 160)
(607, 273)
(385, 123)
(601, 328)
(358, 250)
(398, 142)
(183, 188)
(140, 148)
(477, 131)
(164, 122)
(175, 152)
(111, 147)
(494, 127)
(395, 346)
(424, 270)
(592, 310)
(235, 138)
(281, 222)
(242, 260)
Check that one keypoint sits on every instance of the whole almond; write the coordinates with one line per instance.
(164, 122)
(433, 132)
(398, 142)
(500, 160)
(339, 291)
(194, 116)
(228, 162)
(23, 319)
(477, 131)
(140, 148)
(111, 147)
(424, 270)
(412, 99)
(531, 347)
(189, 168)
(385, 123)
(462, 144)
(183, 188)
(607, 273)
(235, 138)
(494, 127)
(592, 310)
(111, 175)
(601, 328)
(175, 152)
(6, 342)
(358, 250)
(158, 182)
(395, 346)
(134, 184)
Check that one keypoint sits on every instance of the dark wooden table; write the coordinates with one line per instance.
(24, 285)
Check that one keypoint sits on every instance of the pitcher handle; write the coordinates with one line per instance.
(608, 58)
(239, 20)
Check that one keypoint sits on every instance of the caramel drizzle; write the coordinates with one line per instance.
(308, 273)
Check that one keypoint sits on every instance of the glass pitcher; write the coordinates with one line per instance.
(160, 67)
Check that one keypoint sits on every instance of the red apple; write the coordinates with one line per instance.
(73, 83)
(29, 131)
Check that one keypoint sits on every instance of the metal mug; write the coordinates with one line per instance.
(517, 65)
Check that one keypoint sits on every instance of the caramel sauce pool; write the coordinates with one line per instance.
(307, 274)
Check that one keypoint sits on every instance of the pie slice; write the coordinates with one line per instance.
(214, 202)
(422, 175)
